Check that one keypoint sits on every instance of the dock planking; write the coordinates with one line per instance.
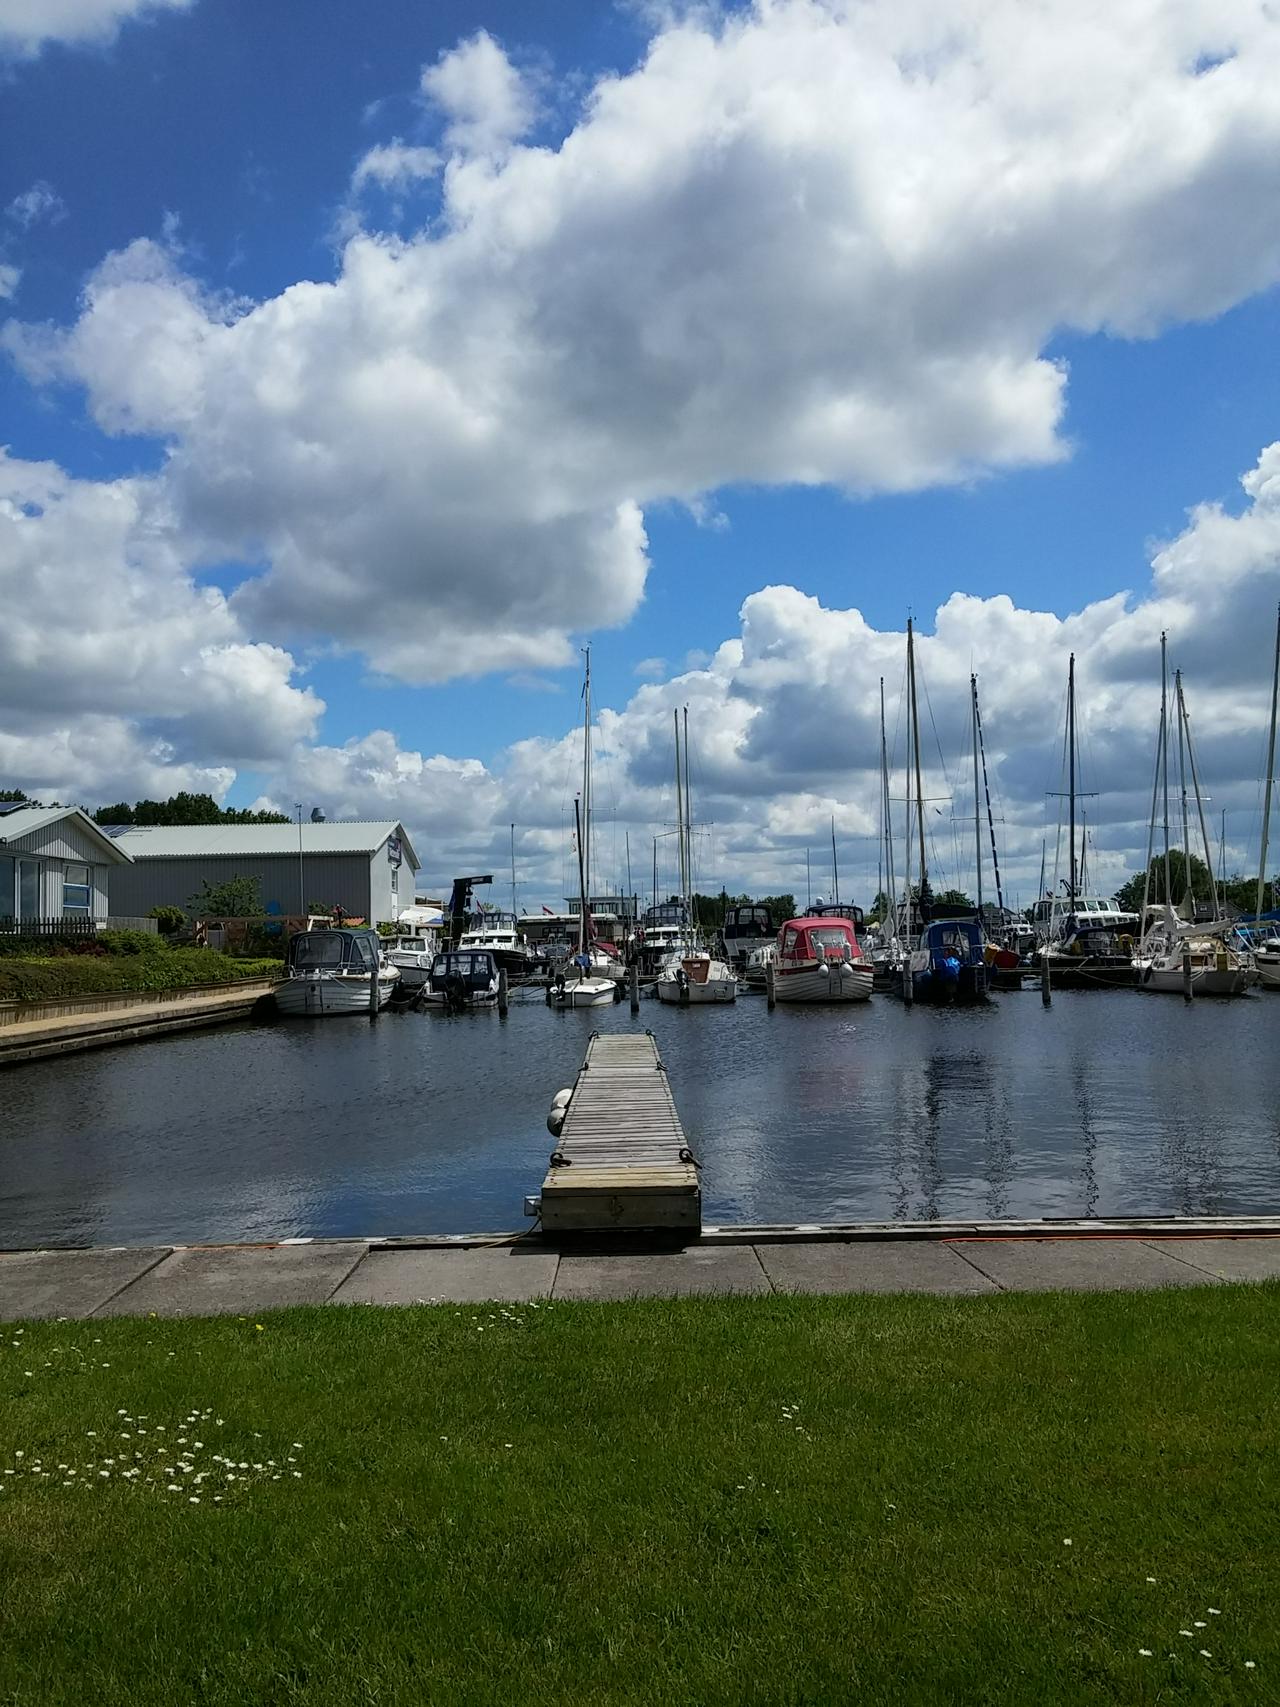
(622, 1161)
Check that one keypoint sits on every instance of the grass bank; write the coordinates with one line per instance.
(50, 980)
(757, 1500)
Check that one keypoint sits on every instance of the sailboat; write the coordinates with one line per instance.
(581, 984)
(1267, 953)
(690, 975)
(1087, 943)
(888, 953)
(1178, 954)
(948, 964)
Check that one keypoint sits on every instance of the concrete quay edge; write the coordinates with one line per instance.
(956, 1259)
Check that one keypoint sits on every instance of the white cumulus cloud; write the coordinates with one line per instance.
(28, 25)
(810, 242)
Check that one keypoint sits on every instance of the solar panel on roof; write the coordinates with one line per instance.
(7, 806)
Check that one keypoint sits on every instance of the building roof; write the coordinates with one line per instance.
(27, 819)
(200, 841)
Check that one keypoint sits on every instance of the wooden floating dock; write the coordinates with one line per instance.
(622, 1161)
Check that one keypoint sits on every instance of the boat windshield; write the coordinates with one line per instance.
(829, 938)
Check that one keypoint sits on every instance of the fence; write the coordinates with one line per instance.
(73, 925)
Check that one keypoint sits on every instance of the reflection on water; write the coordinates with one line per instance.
(1106, 1104)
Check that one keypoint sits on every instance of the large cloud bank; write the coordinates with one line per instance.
(812, 242)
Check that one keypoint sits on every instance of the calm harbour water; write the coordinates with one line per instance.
(1109, 1103)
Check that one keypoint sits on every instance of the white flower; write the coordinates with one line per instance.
(1205, 1654)
(1151, 1579)
(1184, 1632)
(1215, 1611)
(1249, 1665)
(1066, 1541)
(1145, 1652)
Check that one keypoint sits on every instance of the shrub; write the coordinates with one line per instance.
(52, 980)
(133, 942)
(170, 920)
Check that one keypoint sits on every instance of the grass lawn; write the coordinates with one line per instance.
(754, 1500)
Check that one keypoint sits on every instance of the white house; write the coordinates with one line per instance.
(54, 864)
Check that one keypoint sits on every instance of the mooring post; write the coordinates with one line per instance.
(1186, 973)
(373, 987)
(633, 979)
(1046, 992)
(908, 983)
(770, 997)
(503, 997)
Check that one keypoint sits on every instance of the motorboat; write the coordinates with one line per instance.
(499, 935)
(664, 930)
(696, 977)
(746, 928)
(1217, 961)
(578, 983)
(339, 970)
(414, 953)
(820, 960)
(1092, 948)
(949, 964)
(755, 970)
(462, 979)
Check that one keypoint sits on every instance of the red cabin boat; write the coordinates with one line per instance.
(820, 960)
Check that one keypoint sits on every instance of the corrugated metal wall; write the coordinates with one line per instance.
(64, 840)
(342, 879)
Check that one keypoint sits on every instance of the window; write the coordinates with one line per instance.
(8, 877)
(395, 879)
(77, 890)
(28, 889)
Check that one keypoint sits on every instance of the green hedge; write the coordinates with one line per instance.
(51, 980)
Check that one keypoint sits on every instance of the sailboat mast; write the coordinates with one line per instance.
(1195, 783)
(513, 871)
(675, 714)
(688, 825)
(1188, 888)
(915, 742)
(1164, 763)
(585, 831)
(977, 804)
(1271, 770)
(986, 787)
(582, 886)
(835, 869)
(1071, 777)
(892, 890)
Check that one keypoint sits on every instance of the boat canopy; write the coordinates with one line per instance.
(819, 938)
(338, 950)
(748, 921)
(960, 936)
(841, 910)
(475, 969)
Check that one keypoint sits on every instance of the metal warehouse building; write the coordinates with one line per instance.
(368, 869)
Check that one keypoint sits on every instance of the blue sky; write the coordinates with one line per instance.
(227, 134)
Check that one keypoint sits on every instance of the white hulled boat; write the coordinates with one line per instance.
(690, 976)
(1180, 955)
(580, 984)
(1219, 964)
(336, 971)
(820, 960)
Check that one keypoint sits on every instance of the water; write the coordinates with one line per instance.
(1109, 1103)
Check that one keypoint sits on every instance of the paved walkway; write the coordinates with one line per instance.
(239, 1279)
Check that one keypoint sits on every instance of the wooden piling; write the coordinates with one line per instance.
(1046, 992)
(503, 990)
(633, 981)
(1186, 974)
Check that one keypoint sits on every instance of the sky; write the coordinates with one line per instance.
(360, 365)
